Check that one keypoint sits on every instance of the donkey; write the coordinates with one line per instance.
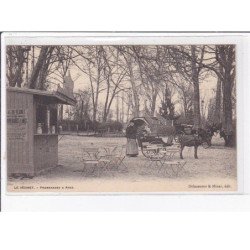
(195, 140)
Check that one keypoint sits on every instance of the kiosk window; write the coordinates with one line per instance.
(46, 118)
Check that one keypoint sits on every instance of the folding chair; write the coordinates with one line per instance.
(114, 157)
(89, 157)
(176, 167)
(120, 155)
(155, 160)
(106, 157)
(168, 155)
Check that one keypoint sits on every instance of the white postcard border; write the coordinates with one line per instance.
(126, 201)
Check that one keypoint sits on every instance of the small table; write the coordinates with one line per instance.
(109, 150)
(162, 157)
(92, 153)
(114, 156)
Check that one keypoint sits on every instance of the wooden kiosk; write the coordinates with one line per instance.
(32, 129)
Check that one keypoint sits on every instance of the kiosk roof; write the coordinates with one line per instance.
(56, 96)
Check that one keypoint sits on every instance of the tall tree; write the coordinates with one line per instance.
(188, 61)
(16, 56)
(39, 73)
(184, 89)
(91, 63)
(225, 55)
(115, 73)
(217, 110)
(168, 107)
(128, 55)
(82, 108)
(224, 67)
(151, 62)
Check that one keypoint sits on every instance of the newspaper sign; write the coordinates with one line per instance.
(17, 124)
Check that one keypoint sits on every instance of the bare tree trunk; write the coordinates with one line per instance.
(196, 100)
(129, 106)
(105, 110)
(227, 110)
(136, 107)
(14, 74)
(44, 70)
(226, 57)
(185, 106)
(128, 109)
(153, 104)
(217, 111)
(94, 114)
(94, 97)
(117, 108)
(33, 58)
(81, 112)
(35, 73)
(122, 114)
(196, 105)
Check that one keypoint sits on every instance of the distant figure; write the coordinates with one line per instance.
(132, 147)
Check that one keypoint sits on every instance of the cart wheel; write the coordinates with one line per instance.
(147, 153)
(152, 154)
(162, 153)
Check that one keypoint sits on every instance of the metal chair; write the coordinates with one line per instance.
(176, 167)
(114, 157)
(120, 155)
(89, 157)
(162, 158)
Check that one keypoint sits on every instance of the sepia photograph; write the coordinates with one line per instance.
(121, 118)
(124, 125)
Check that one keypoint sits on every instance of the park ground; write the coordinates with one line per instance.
(214, 171)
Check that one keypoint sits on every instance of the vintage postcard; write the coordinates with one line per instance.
(148, 116)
